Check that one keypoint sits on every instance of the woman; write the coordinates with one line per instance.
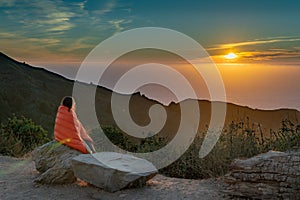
(69, 131)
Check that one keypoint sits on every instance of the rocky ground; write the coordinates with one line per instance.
(17, 175)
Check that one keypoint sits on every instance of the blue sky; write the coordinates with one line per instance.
(65, 31)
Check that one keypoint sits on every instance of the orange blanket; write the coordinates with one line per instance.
(68, 129)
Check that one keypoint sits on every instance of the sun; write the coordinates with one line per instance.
(230, 56)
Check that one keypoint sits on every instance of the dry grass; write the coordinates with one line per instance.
(239, 140)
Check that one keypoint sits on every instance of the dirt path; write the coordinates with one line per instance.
(17, 175)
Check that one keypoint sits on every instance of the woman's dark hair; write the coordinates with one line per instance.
(68, 102)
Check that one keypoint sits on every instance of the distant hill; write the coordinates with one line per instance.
(36, 93)
(30, 91)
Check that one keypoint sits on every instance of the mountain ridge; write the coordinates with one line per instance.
(138, 92)
(36, 92)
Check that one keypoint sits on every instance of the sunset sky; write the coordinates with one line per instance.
(256, 44)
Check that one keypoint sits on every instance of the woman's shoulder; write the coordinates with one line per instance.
(65, 110)
(62, 108)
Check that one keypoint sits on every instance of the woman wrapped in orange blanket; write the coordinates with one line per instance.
(69, 131)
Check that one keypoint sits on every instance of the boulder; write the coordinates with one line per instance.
(53, 161)
(272, 175)
(113, 171)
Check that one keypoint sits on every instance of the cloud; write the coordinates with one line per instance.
(268, 49)
(269, 55)
(118, 24)
(33, 27)
(60, 15)
(51, 21)
(7, 35)
(81, 5)
(285, 55)
(57, 20)
(7, 3)
(45, 41)
(63, 27)
(252, 43)
(30, 49)
(108, 7)
(41, 16)
(80, 44)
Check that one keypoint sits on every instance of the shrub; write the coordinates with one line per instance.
(287, 137)
(238, 140)
(131, 144)
(20, 135)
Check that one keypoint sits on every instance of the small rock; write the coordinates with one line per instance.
(122, 195)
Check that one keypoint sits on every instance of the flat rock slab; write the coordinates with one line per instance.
(113, 171)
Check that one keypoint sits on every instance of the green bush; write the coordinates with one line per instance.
(238, 140)
(19, 135)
